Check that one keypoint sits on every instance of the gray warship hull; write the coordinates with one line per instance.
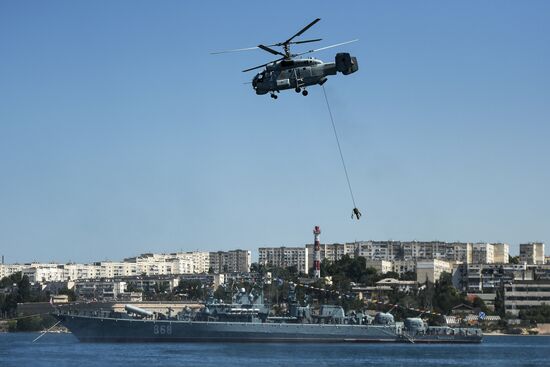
(105, 329)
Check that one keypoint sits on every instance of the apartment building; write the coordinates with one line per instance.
(487, 278)
(523, 294)
(8, 269)
(285, 257)
(234, 261)
(532, 253)
(431, 270)
(333, 251)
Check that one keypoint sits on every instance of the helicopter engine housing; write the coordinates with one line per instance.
(345, 63)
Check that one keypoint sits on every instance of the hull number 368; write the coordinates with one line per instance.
(162, 329)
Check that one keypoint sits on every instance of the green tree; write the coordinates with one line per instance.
(445, 295)
(23, 289)
(499, 302)
(409, 275)
(537, 314)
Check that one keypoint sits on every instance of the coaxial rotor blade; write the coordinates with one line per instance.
(235, 50)
(302, 30)
(261, 66)
(326, 47)
(306, 41)
(270, 50)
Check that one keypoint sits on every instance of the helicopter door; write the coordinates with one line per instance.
(296, 77)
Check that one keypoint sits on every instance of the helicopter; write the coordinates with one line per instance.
(291, 72)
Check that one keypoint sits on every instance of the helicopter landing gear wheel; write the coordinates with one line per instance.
(298, 89)
(304, 93)
(273, 95)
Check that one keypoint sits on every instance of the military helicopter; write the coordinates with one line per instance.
(290, 72)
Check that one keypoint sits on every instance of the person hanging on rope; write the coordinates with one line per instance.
(355, 213)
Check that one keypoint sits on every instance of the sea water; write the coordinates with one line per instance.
(17, 349)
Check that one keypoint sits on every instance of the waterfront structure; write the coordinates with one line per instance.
(234, 261)
(524, 294)
(284, 257)
(532, 253)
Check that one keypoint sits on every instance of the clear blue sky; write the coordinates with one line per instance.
(121, 134)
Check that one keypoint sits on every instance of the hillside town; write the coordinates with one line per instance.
(483, 270)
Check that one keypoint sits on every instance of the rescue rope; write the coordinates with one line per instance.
(44, 333)
(25, 317)
(339, 147)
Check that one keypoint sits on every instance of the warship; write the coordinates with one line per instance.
(248, 319)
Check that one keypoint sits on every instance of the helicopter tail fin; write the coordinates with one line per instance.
(345, 63)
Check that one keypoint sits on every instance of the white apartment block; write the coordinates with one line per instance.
(81, 271)
(8, 269)
(146, 264)
(44, 273)
(174, 263)
(431, 270)
(532, 253)
(414, 250)
(459, 252)
(379, 250)
(483, 253)
(285, 257)
(501, 253)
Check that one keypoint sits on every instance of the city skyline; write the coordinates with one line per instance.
(120, 134)
(514, 250)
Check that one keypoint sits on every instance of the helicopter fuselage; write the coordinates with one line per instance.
(300, 73)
